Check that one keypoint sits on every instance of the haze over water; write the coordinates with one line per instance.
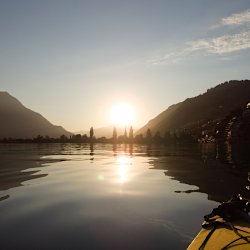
(81, 196)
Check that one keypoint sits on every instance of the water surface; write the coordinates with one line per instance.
(81, 196)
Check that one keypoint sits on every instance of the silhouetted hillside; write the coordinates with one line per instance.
(19, 122)
(215, 104)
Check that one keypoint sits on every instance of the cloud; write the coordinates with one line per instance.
(227, 43)
(223, 44)
(220, 45)
(171, 57)
(237, 19)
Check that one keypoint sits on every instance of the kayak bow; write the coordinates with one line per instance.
(226, 227)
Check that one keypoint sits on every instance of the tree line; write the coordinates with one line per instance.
(128, 137)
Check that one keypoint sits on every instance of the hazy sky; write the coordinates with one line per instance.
(73, 60)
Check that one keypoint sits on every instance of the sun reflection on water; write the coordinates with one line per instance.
(100, 177)
(123, 168)
(121, 172)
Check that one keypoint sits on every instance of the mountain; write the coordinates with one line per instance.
(18, 121)
(213, 105)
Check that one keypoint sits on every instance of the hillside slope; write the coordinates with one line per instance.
(216, 103)
(18, 121)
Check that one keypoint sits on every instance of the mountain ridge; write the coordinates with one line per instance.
(215, 103)
(22, 122)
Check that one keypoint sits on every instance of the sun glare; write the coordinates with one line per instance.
(122, 114)
(123, 169)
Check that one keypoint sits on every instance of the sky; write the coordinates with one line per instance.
(73, 60)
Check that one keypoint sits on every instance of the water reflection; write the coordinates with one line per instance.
(79, 196)
(91, 148)
(18, 167)
(114, 149)
(4, 197)
(100, 177)
(131, 148)
(217, 170)
(127, 149)
(92, 153)
(123, 168)
(234, 155)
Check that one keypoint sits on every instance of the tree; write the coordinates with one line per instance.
(91, 133)
(131, 134)
(139, 138)
(84, 138)
(125, 134)
(39, 138)
(167, 138)
(63, 138)
(157, 137)
(148, 136)
(77, 137)
(114, 134)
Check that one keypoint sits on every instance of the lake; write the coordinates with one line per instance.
(103, 196)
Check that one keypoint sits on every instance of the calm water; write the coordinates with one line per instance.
(78, 196)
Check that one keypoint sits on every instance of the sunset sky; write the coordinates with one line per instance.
(73, 61)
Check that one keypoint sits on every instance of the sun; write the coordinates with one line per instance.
(122, 114)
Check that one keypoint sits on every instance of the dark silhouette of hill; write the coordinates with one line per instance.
(18, 121)
(215, 104)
